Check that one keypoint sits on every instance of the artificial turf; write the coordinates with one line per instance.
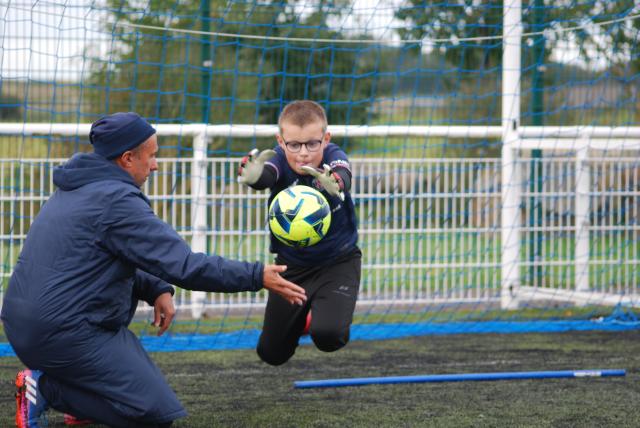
(234, 389)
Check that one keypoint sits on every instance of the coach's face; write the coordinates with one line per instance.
(303, 146)
(141, 161)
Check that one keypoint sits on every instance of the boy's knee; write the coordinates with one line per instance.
(273, 358)
(330, 341)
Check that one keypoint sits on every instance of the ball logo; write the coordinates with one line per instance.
(299, 216)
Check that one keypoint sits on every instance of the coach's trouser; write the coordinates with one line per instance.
(331, 291)
(103, 375)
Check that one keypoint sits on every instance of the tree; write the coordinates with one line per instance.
(459, 19)
(610, 50)
(160, 73)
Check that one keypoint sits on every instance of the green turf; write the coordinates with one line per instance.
(234, 389)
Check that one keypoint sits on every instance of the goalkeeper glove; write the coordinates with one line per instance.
(328, 179)
(251, 165)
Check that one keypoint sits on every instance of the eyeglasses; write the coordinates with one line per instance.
(295, 147)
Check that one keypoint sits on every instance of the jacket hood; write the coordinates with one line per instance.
(86, 168)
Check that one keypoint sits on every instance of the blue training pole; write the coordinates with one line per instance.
(333, 383)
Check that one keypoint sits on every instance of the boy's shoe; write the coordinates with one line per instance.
(30, 404)
(72, 420)
(307, 324)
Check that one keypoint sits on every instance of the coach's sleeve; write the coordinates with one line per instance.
(148, 287)
(133, 233)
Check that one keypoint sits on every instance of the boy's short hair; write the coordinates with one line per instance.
(302, 113)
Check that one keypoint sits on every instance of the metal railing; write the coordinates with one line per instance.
(430, 229)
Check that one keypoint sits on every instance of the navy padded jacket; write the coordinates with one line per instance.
(94, 244)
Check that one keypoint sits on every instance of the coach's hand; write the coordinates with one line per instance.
(272, 281)
(163, 312)
(251, 166)
(329, 180)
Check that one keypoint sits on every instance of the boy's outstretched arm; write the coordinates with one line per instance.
(252, 168)
(334, 181)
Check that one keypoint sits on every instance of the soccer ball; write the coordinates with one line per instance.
(299, 216)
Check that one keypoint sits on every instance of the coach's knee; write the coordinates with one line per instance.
(330, 340)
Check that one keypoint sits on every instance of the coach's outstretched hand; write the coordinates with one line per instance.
(272, 281)
(329, 180)
(251, 166)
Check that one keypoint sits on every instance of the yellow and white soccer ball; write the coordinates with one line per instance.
(299, 216)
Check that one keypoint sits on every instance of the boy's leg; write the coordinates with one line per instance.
(281, 330)
(332, 292)
(334, 302)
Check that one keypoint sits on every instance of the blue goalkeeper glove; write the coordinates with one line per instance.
(328, 180)
(252, 165)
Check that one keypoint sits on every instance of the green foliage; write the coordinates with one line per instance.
(470, 19)
(203, 76)
(606, 57)
(173, 77)
(442, 20)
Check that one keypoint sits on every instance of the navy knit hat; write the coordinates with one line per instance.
(113, 135)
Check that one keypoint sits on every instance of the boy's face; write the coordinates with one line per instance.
(303, 145)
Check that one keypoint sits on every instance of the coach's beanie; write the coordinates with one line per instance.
(113, 135)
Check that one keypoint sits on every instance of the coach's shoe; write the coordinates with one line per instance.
(72, 420)
(30, 404)
(307, 324)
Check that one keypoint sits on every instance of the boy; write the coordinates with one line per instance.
(329, 271)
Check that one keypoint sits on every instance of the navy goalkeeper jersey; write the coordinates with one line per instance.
(342, 235)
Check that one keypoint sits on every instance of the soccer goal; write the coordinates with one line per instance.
(494, 146)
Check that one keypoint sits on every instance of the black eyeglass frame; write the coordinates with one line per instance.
(288, 145)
